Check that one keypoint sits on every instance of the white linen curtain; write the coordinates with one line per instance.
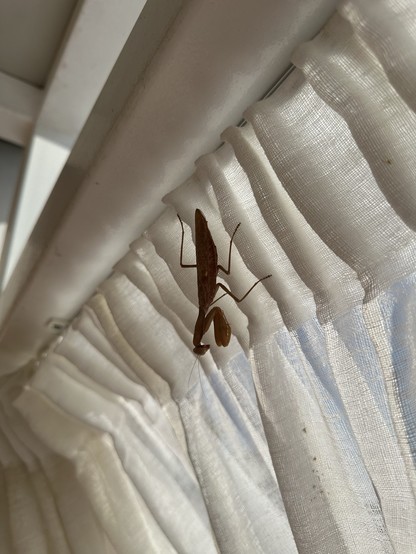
(300, 435)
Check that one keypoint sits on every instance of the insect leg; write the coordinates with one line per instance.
(222, 329)
(181, 254)
(233, 296)
(227, 271)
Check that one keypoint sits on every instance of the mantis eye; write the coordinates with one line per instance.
(222, 329)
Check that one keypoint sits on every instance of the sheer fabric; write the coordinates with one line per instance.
(300, 435)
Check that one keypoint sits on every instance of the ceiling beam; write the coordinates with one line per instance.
(19, 106)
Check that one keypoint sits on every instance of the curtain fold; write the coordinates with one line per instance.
(299, 436)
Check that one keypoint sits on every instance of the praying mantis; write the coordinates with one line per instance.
(207, 268)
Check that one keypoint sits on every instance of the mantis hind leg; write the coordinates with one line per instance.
(233, 296)
(227, 271)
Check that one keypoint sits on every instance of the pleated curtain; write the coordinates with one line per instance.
(300, 435)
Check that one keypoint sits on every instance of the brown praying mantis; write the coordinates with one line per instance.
(207, 268)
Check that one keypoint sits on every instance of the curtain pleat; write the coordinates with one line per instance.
(299, 436)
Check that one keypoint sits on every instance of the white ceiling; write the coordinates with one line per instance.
(30, 35)
(74, 55)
